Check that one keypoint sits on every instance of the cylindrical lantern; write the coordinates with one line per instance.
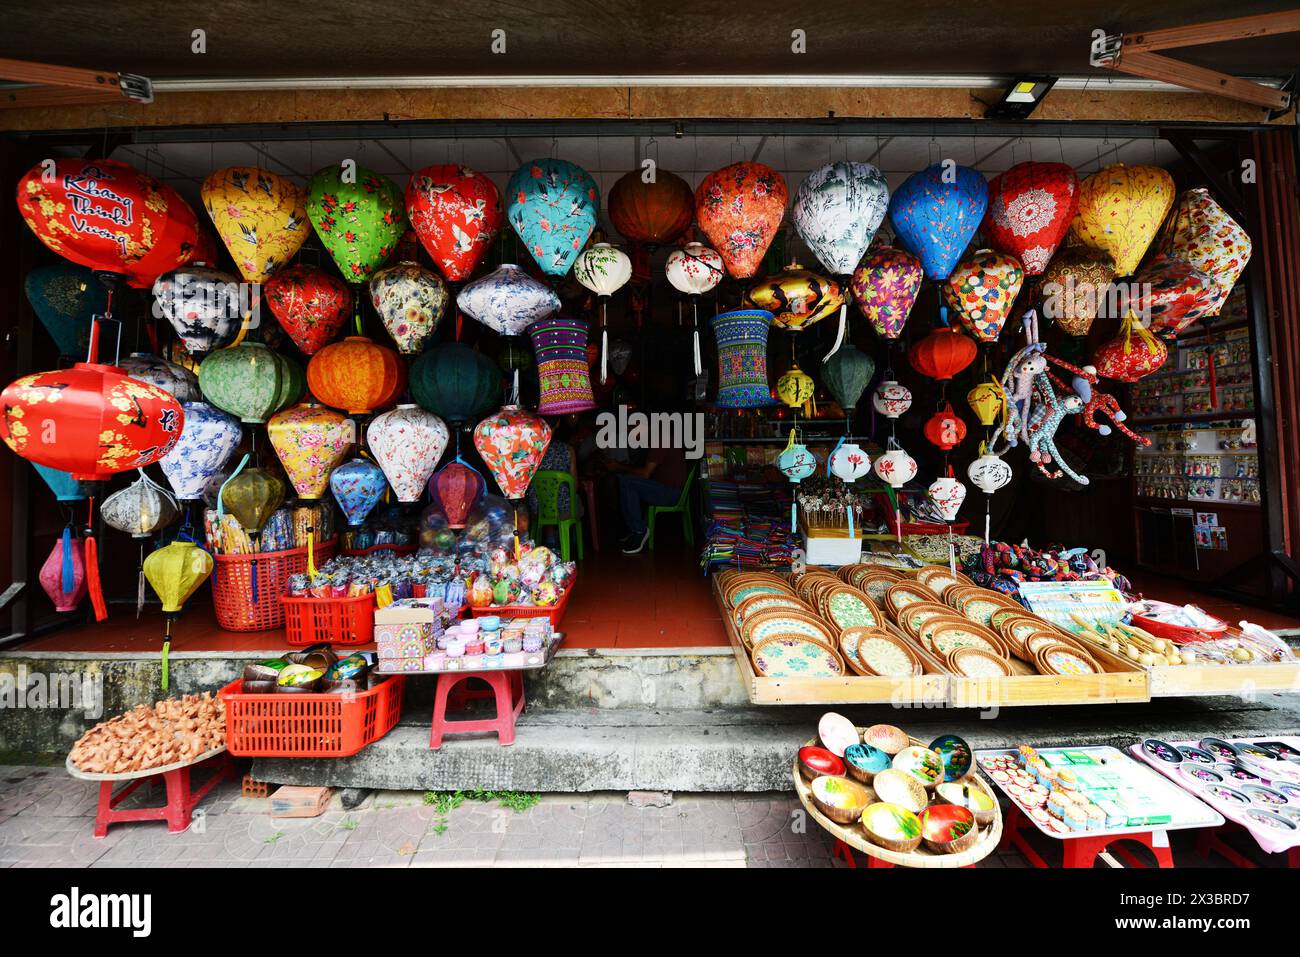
(740, 208)
(982, 290)
(177, 381)
(989, 473)
(410, 301)
(936, 213)
(885, 288)
(797, 297)
(512, 443)
(891, 399)
(252, 496)
(457, 213)
(310, 440)
(356, 375)
(207, 442)
(552, 205)
(260, 216)
(140, 509)
(63, 576)
(310, 304)
(653, 213)
(65, 297)
(742, 358)
(407, 444)
(358, 486)
(455, 382)
(508, 300)
(561, 346)
(456, 489)
(247, 380)
(358, 216)
(896, 468)
(204, 305)
(1030, 210)
(1120, 211)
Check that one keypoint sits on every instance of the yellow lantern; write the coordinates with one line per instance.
(1120, 211)
(176, 571)
(259, 215)
(251, 495)
(795, 388)
(797, 297)
(311, 441)
(988, 401)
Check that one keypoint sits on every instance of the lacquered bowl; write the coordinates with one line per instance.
(949, 828)
(886, 737)
(841, 799)
(977, 801)
(814, 762)
(895, 787)
(836, 733)
(892, 826)
(865, 762)
(922, 764)
(956, 754)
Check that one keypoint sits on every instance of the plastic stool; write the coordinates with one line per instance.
(181, 800)
(506, 686)
(1082, 852)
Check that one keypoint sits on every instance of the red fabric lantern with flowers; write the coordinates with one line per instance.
(1030, 210)
(945, 428)
(942, 354)
(356, 375)
(310, 304)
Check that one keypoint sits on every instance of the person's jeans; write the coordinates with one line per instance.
(635, 491)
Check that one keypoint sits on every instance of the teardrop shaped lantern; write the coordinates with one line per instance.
(407, 444)
(358, 485)
(207, 442)
(740, 208)
(310, 304)
(936, 212)
(837, 210)
(982, 289)
(248, 380)
(260, 216)
(797, 297)
(742, 358)
(204, 305)
(457, 213)
(846, 375)
(356, 375)
(1074, 287)
(359, 215)
(456, 489)
(1120, 211)
(552, 205)
(252, 496)
(140, 509)
(507, 300)
(512, 443)
(177, 381)
(456, 382)
(885, 288)
(176, 571)
(63, 576)
(64, 297)
(411, 302)
(565, 382)
(63, 485)
(653, 213)
(945, 428)
(310, 440)
(1030, 210)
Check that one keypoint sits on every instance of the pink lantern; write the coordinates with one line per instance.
(456, 488)
(63, 576)
(512, 442)
(407, 444)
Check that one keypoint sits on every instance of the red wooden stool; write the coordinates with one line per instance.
(181, 800)
(1082, 852)
(506, 686)
(845, 853)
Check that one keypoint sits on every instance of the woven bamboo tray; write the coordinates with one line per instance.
(855, 837)
(76, 772)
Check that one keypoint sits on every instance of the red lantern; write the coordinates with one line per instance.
(945, 428)
(310, 304)
(63, 576)
(942, 354)
(740, 208)
(1030, 210)
(91, 420)
(1134, 353)
(356, 375)
(653, 213)
(456, 488)
(109, 216)
(456, 212)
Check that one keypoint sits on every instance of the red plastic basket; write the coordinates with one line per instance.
(309, 725)
(339, 621)
(233, 580)
(395, 549)
(554, 612)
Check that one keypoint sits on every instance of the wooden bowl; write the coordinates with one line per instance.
(978, 802)
(949, 828)
(892, 826)
(864, 762)
(880, 654)
(815, 761)
(924, 765)
(887, 738)
(841, 799)
(898, 787)
(919, 612)
(837, 733)
(847, 607)
(958, 759)
(947, 637)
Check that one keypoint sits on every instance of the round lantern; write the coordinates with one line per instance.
(176, 571)
(204, 305)
(837, 210)
(176, 381)
(935, 214)
(846, 375)
(207, 442)
(512, 443)
(456, 489)
(740, 208)
(1134, 353)
(508, 300)
(1205, 237)
(1030, 210)
(410, 301)
(604, 269)
(989, 473)
(109, 216)
(457, 213)
(947, 494)
(848, 462)
(891, 399)
(407, 444)
(885, 288)
(1073, 288)
(795, 387)
(982, 290)
(358, 486)
(694, 269)
(310, 304)
(63, 485)
(247, 380)
(561, 346)
(252, 495)
(653, 213)
(140, 509)
(797, 297)
(260, 216)
(942, 354)
(310, 440)
(90, 420)
(356, 375)
(895, 468)
(945, 428)
(358, 215)
(455, 382)
(63, 576)
(1120, 211)
(65, 297)
(988, 401)
(552, 205)
(742, 358)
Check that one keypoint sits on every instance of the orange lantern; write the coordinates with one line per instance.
(942, 354)
(945, 428)
(653, 213)
(356, 375)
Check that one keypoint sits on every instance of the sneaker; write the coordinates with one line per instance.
(634, 543)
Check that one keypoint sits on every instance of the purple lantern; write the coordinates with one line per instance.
(456, 489)
(63, 576)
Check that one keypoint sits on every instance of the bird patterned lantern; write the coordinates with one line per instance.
(260, 216)
(740, 208)
(742, 358)
(455, 382)
(885, 288)
(411, 302)
(797, 297)
(1030, 210)
(206, 444)
(358, 486)
(356, 375)
(358, 215)
(1120, 211)
(935, 214)
(140, 509)
(310, 440)
(552, 206)
(512, 443)
(310, 304)
(982, 289)
(407, 444)
(561, 347)
(457, 214)
(508, 300)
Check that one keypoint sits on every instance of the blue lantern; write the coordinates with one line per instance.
(358, 486)
(552, 205)
(207, 442)
(63, 485)
(936, 213)
(64, 297)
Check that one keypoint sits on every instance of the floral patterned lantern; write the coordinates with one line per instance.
(552, 205)
(411, 301)
(742, 358)
(176, 381)
(797, 297)
(837, 210)
(848, 462)
(247, 380)
(508, 300)
(512, 443)
(456, 489)
(1172, 294)
(945, 428)
(846, 375)
(251, 495)
(260, 216)
(943, 353)
(1134, 353)
(1030, 210)
(561, 346)
(63, 576)
(1074, 286)
(407, 444)
(65, 297)
(895, 468)
(988, 401)
(1203, 235)
(982, 289)
(653, 213)
(891, 399)
(1120, 211)
(310, 304)
(356, 375)
(885, 288)
(359, 216)
(63, 485)
(457, 213)
(358, 486)
(140, 509)
(204, 306)
(947, 494)
(207, 442)
(310, 440)
(935, 214)
(455, 382)
(694, 270)
(740, 208)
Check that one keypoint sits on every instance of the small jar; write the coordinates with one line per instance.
(512, 646)
(492, 645)
(474, 646)
(455, 649)
(532, 643)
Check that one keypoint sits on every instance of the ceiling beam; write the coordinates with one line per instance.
(52, 85)
(1219, 31)
(1155, 66)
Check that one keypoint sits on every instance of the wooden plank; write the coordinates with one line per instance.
(1154, 66)
(25, 71)
(1169, 681)
(1216, 31)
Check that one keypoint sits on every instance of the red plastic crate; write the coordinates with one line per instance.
(338, 621)
(395, 549)
(554, 612)
(232, 585)
(309, 725)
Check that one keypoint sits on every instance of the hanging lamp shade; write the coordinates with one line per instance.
(560, 343)
(1030, 210)
(742, 358)
(207, 442)
(358, 216)
(989, 473)
(942, 354)
(604, 269)
(508, 300)
(358, 485)
(356, 375)
(456, 489)
(455, 382)
(1172, 294)
(837, 210)
(90, 420)
(248, 380)
(63, 576)
(1132, 354)
(310, 441)
(411, 302)
(552, 205)
(935, 214)
(457, 213)
(202, 304)
(895, 468)
(1074, 286)
(512, 443)
(795, 387)
(988, 401)
(1120, 211)
(64, 297)
(176, 571)
(261, 218)
(694, 269)
(1204, 236)
(982, 290)
(846, 375)
(62, 484)
(654, 213)
(885, 288)
(407, 444)
(945, 428)
(797, 297)
(252, 496)
(109, 216)
(310, 304)
(141, 509)
(740, 208)
(177, 381)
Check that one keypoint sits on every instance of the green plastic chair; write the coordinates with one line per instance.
(547, 484)
(682, 508)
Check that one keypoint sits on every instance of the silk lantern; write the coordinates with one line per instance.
(837, 210)
(982, 289)
(1120, 211)
(310, 440)
(248, 380)
(206, 444)
(1203, 235)
(885, 288)
(846, 375)
(108, 216)
(694, 270)
(1171, 295)
(1134, 353)
(65, 297)
(943, 353)
(512, 443)
(988, 401)
(947, 494)
(603, 269)
(205, 306)
(456, 489)
(63, 576)
(1073, 287)
(740, 208)
(891, 399)
(455, 382)
(895, 468)
(260, 216)
(63, 485)
(251, 495)
(91, 420)
(176, 571)
(935, 214)
(407, 444)
(358, 216)
(988, 472)
(654, 212)
(508, 300)
(795, 388)
(742, 358)
(561, 346)
(552, 206)
(310, 304)
(797, 297)
(457, 213)
(410, 301)
(356, 375)
(1030, 210)
(358, 486)
(175, 380)
(945, 429)
(140, 509)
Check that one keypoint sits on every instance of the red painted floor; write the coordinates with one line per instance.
(1161, 588)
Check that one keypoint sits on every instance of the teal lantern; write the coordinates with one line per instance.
(249, 381)
(846, 374)
(455, 382)
(64, 297)
(63, 485)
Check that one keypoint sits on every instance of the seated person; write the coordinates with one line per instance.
(658, 480)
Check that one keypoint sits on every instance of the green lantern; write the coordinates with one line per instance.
(456, 383)
(292, 386)
(252, 496)
(846, 375)
(249, 381)
(358, 215)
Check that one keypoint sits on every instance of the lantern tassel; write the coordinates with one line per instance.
(139, 585)
(93, 584)
(514, 388)
(69, 583)
(604, 355)
(695, 334)
(839, 333)
(166, 653)
(699, 365)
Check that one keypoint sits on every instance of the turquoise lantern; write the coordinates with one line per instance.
(552, 205)
(64, 297)
(63, 485)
